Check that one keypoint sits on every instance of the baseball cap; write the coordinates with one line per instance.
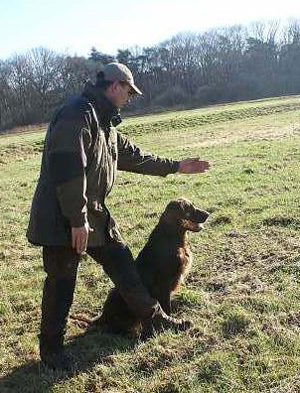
(120, 72)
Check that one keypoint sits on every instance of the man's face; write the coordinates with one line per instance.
(119, 93)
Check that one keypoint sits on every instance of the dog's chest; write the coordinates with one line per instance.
(184, 258)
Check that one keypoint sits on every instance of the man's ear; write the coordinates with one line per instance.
(112, 88)
(115, 86)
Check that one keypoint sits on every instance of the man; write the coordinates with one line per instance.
(82, 153)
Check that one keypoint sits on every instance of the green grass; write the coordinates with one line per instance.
(243, 292)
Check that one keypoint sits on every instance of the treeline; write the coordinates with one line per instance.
(190, 69)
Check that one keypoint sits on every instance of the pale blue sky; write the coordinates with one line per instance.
(75, 26)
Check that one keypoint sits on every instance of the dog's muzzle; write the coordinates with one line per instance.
(200, 216)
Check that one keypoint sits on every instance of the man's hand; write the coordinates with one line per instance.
(193, 165)
(80, 237)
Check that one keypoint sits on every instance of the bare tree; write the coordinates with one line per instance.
(231, 63)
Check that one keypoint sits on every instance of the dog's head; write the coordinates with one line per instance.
(183, 213)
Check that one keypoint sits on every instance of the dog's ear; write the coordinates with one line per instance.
(183, 202)
(173, 211)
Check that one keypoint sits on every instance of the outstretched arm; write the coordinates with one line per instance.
(133, 159)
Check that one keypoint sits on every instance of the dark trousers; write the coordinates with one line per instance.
(61, 264)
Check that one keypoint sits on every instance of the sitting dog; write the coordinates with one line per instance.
(162, 265)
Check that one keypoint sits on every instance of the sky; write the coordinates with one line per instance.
(73, 26)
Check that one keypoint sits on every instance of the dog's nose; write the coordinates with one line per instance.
(201, 215)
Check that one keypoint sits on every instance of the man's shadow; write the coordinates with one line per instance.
(89, 348)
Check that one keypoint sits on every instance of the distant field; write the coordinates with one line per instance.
(243, 292)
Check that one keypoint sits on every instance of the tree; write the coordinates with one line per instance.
(100, 57)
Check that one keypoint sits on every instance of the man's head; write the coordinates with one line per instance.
(118, 83)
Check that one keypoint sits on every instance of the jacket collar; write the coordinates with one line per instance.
(108, 113)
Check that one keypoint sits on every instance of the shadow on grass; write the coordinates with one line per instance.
(89, 349)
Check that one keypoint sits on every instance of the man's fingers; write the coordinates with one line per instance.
(82, 243)
(80, 238)
(85, 242)
(193, 165)
(197, 166)
(73, 239)
(79, 244)
(205, 165)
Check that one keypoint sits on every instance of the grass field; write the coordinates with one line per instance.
(243, 292)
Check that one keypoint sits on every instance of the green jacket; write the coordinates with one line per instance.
(81, 156)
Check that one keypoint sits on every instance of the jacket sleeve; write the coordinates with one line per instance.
(70, 138)
(132, 159)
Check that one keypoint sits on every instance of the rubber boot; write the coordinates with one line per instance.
(53, 354)
(56, 303)
(159, 322)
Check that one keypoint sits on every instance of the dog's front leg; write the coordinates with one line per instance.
(163, 295)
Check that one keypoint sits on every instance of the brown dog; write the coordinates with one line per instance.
(162, 264)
